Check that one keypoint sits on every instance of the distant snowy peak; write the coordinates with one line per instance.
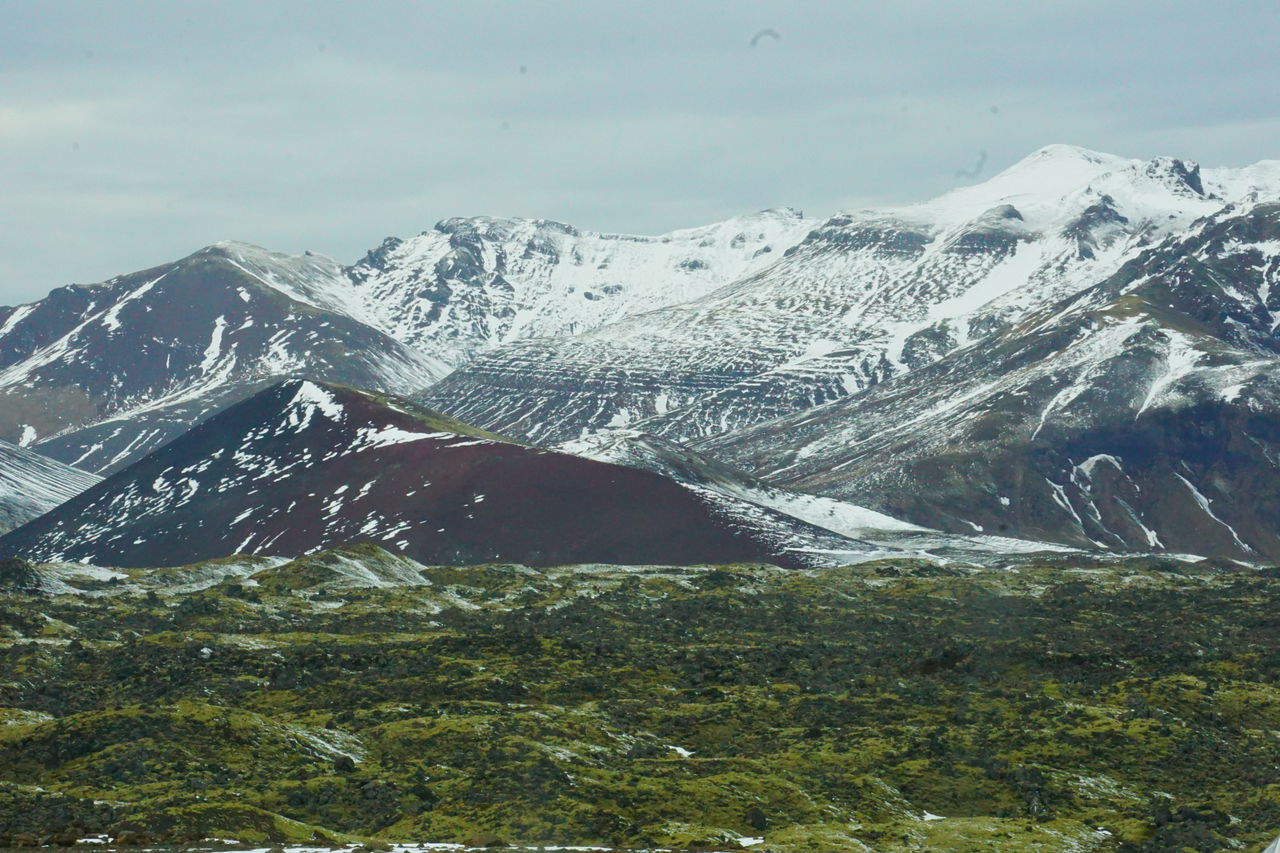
(97, 375)
(1052, 187)
(310, 279)
(469, 284)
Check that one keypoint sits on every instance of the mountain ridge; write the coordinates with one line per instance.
(865, 296)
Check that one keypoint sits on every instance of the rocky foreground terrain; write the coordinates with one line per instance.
(354, 696)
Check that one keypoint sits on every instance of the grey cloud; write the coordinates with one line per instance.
(134, 132)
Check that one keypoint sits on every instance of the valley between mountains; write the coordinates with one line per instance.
(508, 530)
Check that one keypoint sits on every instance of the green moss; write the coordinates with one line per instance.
(819, 710)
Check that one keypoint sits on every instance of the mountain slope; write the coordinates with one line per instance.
(718, 481)
(303, 466)
(101, 374)
(31, 485)
(866, 296)
(1143, 412)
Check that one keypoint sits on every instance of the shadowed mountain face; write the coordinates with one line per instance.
(303, 466)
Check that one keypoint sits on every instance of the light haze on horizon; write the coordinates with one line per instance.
(133, 133)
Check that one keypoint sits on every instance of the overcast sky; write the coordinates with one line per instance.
(132, 133)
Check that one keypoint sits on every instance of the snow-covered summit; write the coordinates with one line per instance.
(473, 283)
(1053, 186)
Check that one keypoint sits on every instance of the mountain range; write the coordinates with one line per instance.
(1081, 350)
(99, 375)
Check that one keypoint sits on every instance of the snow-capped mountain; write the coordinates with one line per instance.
(1140, 413)
(866, 296)
(471, 284)
(978, 362)
(32, 484)
(303, 466)
(99, 375)
(96, 376)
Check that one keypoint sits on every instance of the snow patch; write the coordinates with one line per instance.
(214, 350)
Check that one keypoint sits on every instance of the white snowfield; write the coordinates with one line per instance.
(471, 284)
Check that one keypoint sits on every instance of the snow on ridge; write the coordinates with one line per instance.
(370, 437)
(309, 399)
(1051, 187)
(111, 320)
(310, 278)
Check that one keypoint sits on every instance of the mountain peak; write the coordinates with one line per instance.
(1054, 170)
(234, 246)
(241, 250)
(1180, 175)
(1060, 151)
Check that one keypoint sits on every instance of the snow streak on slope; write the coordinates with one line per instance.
(31, 485)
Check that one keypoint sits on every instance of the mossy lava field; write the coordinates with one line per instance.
(354, 697)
